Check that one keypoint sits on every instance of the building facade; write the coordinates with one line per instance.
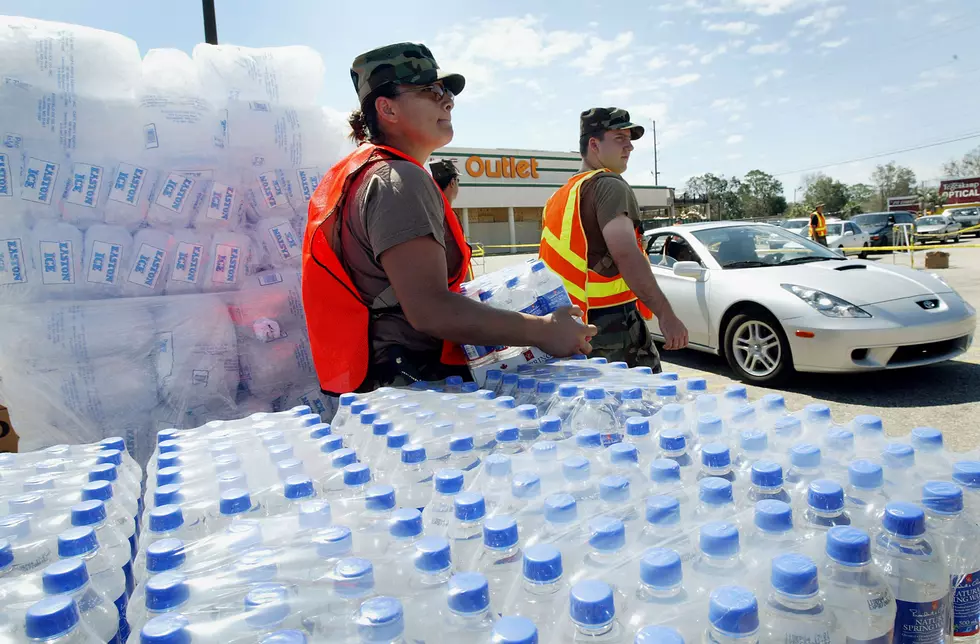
(502, 193)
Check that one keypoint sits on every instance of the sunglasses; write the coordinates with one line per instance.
(435, 92)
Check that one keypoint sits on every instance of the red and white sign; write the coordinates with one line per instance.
(910, 202)
(959, 191)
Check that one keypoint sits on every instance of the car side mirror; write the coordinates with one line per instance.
(691, 269)
(848, 232)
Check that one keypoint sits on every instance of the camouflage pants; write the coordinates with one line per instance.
(623, 337)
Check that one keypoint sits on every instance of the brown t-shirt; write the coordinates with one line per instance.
(604, 197)
(395, 202)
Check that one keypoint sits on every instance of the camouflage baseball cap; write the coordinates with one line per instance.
(602, 119)
(402, 63)
(443, 170)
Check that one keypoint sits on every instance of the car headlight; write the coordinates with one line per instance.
(825, 303)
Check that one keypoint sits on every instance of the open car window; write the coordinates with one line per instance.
(666, 249)
(757, 246)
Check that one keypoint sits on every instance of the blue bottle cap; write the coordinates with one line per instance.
(279, 453)
(109, 472)
(623, 453)
(669, 375)
(381, 620)
(614, 489)
(599, 360)
(805, 455)
(658, 635)
(346, 400)
(494, 375)
(825, 495)
(967, 473)
(666, 390)
(715, 491)
(560, 508)
(550, 425)
(109, 457)
(168, 434)
(88, 513)
(379, 498)
(839, 439)
(497, 465)
(942, 497)
(353, 577)
(166, 518)
(595, 393)
(432, 554)
(607, 534)
(619, 364)
(544, 451)
(449, 481)
(15, 526)
(794, 575)
(234, 501)
(773, 516)
(767, 474)
(368, 417)
(575, 468)
(817, 412)
(358, 408)
(167, 495)
(231, 480)
(773, 403)
(298, 487)
(65, 576)
(591, 603)
(332, 542)
(396, 439)
(663, 510)
(696, 384)
(164, 555)
(314, 515)
(6, 554)
(51, 617)
(638, 426)
(865, 475)
(904, 519)
(849, 546)
(469, 387)
(454, 381)
(927, 439)
(165, 476)
(288, 636)
(661, 568)
(169, 460)
(743, 414)
(787, 426)
(505, 402)
(114, 443)
(526, 384)
(754, 440)
(166, 591)
(527, 412)
(736, 392)
(511, 378)
(167, 447)
(665, 470)
(568, 391)
(405, 523)
(469, 506)
(898, 455)
(542, 564)
(468, 592)
(442, 429)
(461, 443)
(633, 393)
(30, 503)
(588, 438)
(734, 611)
(514, 630)
(380, 427)
(719, 539)
(412, 454)
(266, 606)
(500, 532)
(356, 474)
(332, 444)
(716, 456)
(526, 485)
(867, 424)
(672, 413)
(673, 440)
(508, 434)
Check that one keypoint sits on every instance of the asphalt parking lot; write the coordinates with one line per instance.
(946, 396)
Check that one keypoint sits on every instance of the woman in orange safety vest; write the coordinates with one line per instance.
(384, 255)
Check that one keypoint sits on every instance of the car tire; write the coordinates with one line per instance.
(756, 331)
(863, 254)
(956, 239)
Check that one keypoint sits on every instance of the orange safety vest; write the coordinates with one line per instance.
(565, 250)
(337, 319)
(821, 228)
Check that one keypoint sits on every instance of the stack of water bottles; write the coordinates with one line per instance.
(576, 501)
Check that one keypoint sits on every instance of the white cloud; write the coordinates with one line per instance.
(657, 62)
(714, 53)
(593, 60)
(739, 28)
(834, 44)
(821, 21)
(734, 138)
(734, 118)
(685, 63)
(728, 104)
(736, 44)
(683, 79)
(761, 79)
(778, 47)
(765, 78)
(689, 49)
(714, 7)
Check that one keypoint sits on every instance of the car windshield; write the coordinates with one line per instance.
(963, 212)
(757, 246)
(931, 221)
(871, 220)
(834, 230)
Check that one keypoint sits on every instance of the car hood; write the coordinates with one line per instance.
(862, 282)
(931, 228)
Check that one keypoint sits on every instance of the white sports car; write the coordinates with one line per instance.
(770, 311)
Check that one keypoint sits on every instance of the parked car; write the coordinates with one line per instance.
(966, 217)
(847, 234)
(770, 312)
(799, 226)
(880, 226)
(937, 228)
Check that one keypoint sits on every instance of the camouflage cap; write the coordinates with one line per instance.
(603, 119)
(443, 171)
(402, 63)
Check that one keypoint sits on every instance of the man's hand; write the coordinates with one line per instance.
(565, 335)
(673, 330)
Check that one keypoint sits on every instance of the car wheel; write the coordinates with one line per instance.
(756, 347)
(864, 254)
(956, 239)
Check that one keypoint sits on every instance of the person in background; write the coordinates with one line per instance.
(818, 225)
(597, 253)
(384, 255)
(446, 176)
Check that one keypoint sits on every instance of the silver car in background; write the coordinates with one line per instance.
(771, 311)
(938, 228)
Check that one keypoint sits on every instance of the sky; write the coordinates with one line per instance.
(784, 86)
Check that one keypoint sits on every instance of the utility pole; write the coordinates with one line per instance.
(656, 170)
(210, 23)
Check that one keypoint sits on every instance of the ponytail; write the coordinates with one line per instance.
(364, 122)
(359, 127)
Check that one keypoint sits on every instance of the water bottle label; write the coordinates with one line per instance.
(148, 266)
(57, 262)
(173, 195)
(121, 604)
(187, 265)
(920, 622)
(103, 267)
(219, 205)
(39, 178)
(554, 300)
(84, 185)
(226, 261)
(6, 185)
(130, 578)
(128, 185)
(12, 262)
(966, 606)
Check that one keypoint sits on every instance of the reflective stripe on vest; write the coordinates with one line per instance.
(336, 318)
(821, 229)
(564, 249)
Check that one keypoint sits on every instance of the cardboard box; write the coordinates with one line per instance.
(531, 355)
(937, 259)
(8, 437)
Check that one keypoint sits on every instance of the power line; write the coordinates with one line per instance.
(933, 144)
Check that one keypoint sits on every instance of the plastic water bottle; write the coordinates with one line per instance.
(773, 522)
(102, 490)
(579, 482)
(606, 553)
(659, 635)
(469, 616)
(623, 459)
(916, 571)
(614, 499)
(633, 406)
(709, 429)
(69, 578)
(663, 524)
(463, 456)
(353, 584)
(30, 549)
(766, 483)
(501, 557)
(805, 460)
(107, 578)
(672, 418)
(854, 588)
(588, 442)
(869, 435)
(541, 594)
(967, 475)
(548, 287)
(931, 455)
(715, 500)
(716, 461)
(514, 630)
(733, 615)
(562, 406)
(433, 569)
(786, 432)
(545, 457)
(112, 543)
(770, 408)
(412, 478)
(901, 476)
(379, 620)
(694, 387)
(674, 446)
(438, 515)
(495, 481)
(753, 446)
(660, 595)
(795, 612)
(527, 388)
(943, 503)
(595, 412)
(638, 435)
(592, 610)
(865, 497)
(57, 620)
(718, 559)
(371, 532)
(665, 478)
(466, 530)
(525, 502)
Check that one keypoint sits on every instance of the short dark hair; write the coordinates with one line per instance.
(444, 181)
(364, 122)
(583, 141)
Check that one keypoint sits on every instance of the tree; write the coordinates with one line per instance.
(929, 199)
(892, 180)
(761, 195)
(968, 166)
(722, 194)
(862, 196)
(819, 188)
